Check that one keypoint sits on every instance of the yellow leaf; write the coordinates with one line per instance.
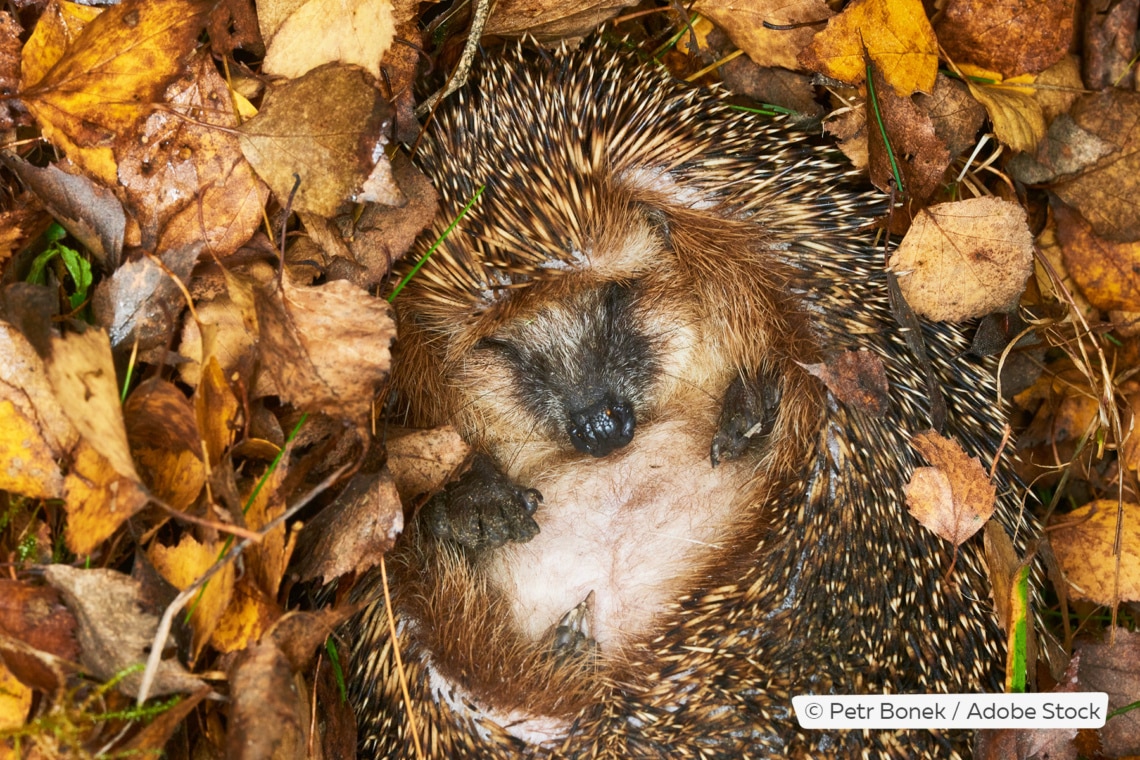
(97, 500)
(1017, 117)
(57, 27)
(27, 464)
(184, 564)
(15, 701)
(895, 34)
(111, 75)
(249, 616)
(1083, 541)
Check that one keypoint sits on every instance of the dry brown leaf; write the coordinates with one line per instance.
(216, 411)
(964, 259)
(550, 20)
(1058, 87)
(956, 116)
(1083, 541)
(327, 348)
(1107, 273)
(97, 499)
(115, 634)
(184, 564)
(1010, 36)
(35, 615)
(141, 301)
(857, 379)
(34, 667)
(1109, 42)
(1102, 193)
(153, 738)
(743, 21)
(422, 461)
(954, 497)
(1066, 149)
(165, 443)
(1113, 666)
(24, 383)
(317, 32)
(1050, 249)
(894, 34)
(12, 111)
(352, 534)
(920, 155)
(268, 557)
(268, 714)
(110, 76)
(182, 171)
(328, 128)
(89, 212)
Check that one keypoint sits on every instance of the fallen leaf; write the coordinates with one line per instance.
(743, 21)
(894, 34)
(919, 154)
(35, 615)
(110, 76)
(97, 499)
(165, 443)
(15, 700)
(89, 212)
(34, 667)
(182, 171)
(268, 714)
(114, 633)
(267, 558)
(152, 738)
(422, 461)
(1066, 149)
(1107, 272)
(56, 29)
(248, 616)
(1113, 116)
(550, 20)
(857, 379)
(330, 31)
(329, 129)
(216, 411)
(1010, 36)
(954, 496)
(12, 111)
(326, 347)
(1017, 117)
(141, 301)
(182, 566)
(353, 533)
(27, 462)
(964, 259)
(1083, 541)
(1113, 666)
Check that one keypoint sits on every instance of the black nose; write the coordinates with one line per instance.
(604, 427)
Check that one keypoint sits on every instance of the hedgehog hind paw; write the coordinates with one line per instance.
(572, 638)
(747, 417)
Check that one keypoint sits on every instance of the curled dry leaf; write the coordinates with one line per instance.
(89, 212)
(744, 24)
(1083, 541)
(268, 714)
(354, 532)
(115, 634)
(1107, 272)
(954, 497)
(317, 32)
(965, 259)
(268, 557)
(894, 34)
(857, 379)
(327, 347)
(110, 75)
(550, 20)
(35, 615)
(422, 461)
(165, 443)
(328, 128)
(1016, 115)
(248, 616)
(184, 564)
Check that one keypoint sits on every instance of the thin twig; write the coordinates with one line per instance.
(463, 70)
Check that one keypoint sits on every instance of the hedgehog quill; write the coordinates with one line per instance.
(669, 528)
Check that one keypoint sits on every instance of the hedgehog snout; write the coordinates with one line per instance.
(602, 427)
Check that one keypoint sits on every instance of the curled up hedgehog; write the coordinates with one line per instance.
(669, 527)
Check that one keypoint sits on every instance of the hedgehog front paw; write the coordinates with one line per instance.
(483, 509)
(747, 417)
(572, 638)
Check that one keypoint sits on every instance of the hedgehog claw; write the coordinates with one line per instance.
(572, 636)
(483, 509)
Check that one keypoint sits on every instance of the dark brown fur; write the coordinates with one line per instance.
(742, 251)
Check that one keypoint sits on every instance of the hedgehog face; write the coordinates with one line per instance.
(583, 365)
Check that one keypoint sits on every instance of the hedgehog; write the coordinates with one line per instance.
(668, 527)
